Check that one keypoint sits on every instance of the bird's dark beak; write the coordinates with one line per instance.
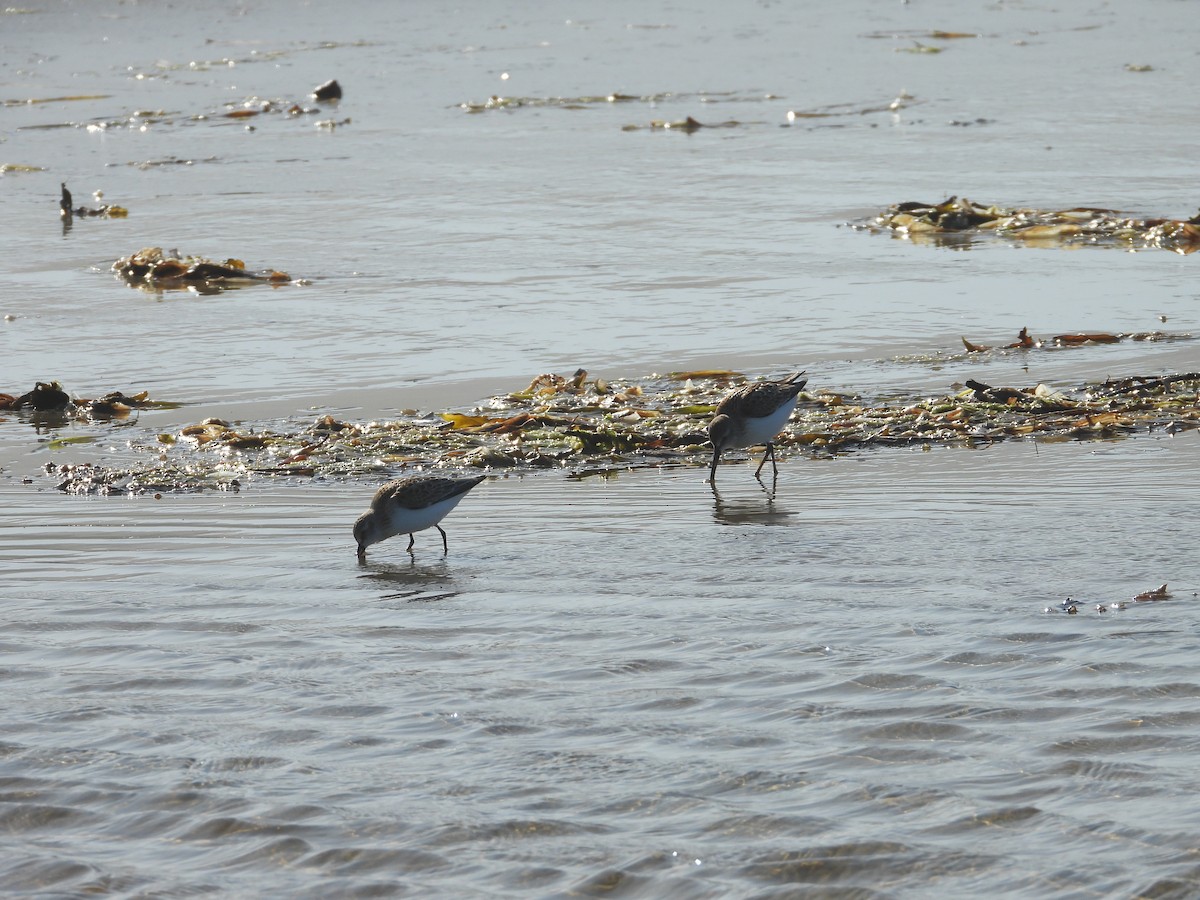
(362, 551)
(712, 471)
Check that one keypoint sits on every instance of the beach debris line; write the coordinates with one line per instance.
(957, 219)
(67, 209)
(1077, 339)
(583, 425)
(151, 267)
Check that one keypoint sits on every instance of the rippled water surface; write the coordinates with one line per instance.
(618, 684)
(862, 684)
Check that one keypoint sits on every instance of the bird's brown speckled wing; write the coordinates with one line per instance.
(421, 491)
(755, 401)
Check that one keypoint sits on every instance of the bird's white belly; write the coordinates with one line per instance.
(764, 430)
(406, 521)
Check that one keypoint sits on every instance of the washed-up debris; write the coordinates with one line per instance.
(248, 109)
(68, 210)
(168, 161)
(220, 433)
(1143, 385)
(1158, 593)
(1077, 339)
(903, 100)
(165, 67)
(581, 425)
(118, 405)
(88, 478)
(36, 101)
(587, 101)
(255, 106)
(1071, 607)
(687, 126)
(252, 107)
(49, 396)
(496, 102)
(46, 396)
(330, 90)
(936, 34)
(151, 268)
(955, 221)
(1023, 342)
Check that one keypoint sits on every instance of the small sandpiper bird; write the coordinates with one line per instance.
(753, 415)
(409, 505)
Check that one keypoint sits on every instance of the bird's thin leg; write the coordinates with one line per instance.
(770, 454)
(411, 540)
(445, 546)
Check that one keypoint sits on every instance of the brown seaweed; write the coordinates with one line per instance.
(1158, 593)
(50, 397)
(582, 424)
(151, 268)
(1077, 339)
(955, 219)
(44, 397)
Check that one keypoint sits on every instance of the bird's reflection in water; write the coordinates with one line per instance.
(745, 508)
(410, 582)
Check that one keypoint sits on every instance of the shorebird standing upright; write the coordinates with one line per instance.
(753, 415)
(410, 504)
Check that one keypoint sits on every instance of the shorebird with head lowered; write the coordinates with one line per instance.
(409, 505)
(753, 415)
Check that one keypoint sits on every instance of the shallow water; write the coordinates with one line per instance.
(623, 685)
(618, 683)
